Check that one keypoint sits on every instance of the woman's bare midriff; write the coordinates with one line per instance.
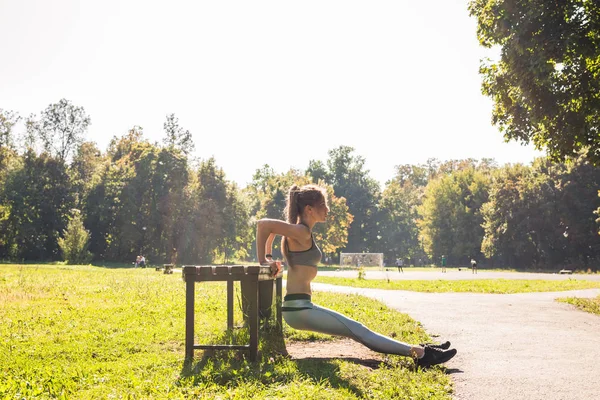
(299, 278)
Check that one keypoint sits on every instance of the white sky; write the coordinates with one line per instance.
(276, 82)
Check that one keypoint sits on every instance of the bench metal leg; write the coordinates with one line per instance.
(189, 320)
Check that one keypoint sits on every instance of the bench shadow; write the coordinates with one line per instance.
(328, 369)
(224, 367)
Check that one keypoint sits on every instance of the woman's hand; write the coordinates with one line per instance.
(274, 265)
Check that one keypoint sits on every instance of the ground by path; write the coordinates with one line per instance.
(513, 346)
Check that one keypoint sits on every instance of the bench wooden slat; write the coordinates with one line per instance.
(222, 270)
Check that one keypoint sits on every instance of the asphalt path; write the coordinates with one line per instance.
(510, 346)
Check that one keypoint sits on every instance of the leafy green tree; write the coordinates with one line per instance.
(542, 197)
(8, 119)
(347, 175)
(39, 198)
(259, 189)
(578, 199)
(176, 137)
(416, 175)
(398, 227)
(61, 128)
(10, 163)
(205, 227)
(333, 234)
(169, 184)
(507, 232)
(542, 216)
(450, 222)
(317, 170)
(546, 84)
(75, 241)
(85, 171)
(118, 208)
(238, 231)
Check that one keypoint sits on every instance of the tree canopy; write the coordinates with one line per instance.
(546, 84)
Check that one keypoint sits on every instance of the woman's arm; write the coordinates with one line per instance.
(269, 244)
(266, 229)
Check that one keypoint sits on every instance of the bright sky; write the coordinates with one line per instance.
(262, 82)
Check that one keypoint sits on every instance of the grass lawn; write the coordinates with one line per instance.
(84, 332)
(589, 305)
(499, 286)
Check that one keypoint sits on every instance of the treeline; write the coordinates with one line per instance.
(153, 199)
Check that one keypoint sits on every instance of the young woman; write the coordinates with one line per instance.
(307, 206)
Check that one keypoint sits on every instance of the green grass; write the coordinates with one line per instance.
(499, 286)
(589, 305)
(85, 332)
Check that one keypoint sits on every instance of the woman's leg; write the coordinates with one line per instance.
(320, 319)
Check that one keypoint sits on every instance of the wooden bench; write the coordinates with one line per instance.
(250, 277)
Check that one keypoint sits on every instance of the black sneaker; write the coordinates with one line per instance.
(435, 356)
(443, 346)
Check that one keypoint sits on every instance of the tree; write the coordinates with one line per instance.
(8, 119)
(451, 217)
(546, 84)
(350, 180)
(506, 219)
(270, 192)
(39, 198)
(317, 171)
(85, 171)
(61, 128)
(398, 228)
(176, 137)
(333, 234)
(578, 201)
(75, 241)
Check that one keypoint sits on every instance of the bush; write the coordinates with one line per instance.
(75, 241)
(362, 273)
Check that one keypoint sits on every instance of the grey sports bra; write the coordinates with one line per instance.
(310, 257)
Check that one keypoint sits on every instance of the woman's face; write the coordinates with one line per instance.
(320, 211)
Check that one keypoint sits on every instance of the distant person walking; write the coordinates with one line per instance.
(400, 264)
(473, 266)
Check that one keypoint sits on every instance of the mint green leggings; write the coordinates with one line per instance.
(300, 313)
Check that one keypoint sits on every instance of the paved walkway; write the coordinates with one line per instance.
(513, 346)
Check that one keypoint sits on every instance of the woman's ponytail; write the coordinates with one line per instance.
(291, 209)
(291, 215)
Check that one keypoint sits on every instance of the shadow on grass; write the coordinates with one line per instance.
(273, 367)
(112, 265)
(328, 370)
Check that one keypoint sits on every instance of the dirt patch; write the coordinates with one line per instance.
(345, 349)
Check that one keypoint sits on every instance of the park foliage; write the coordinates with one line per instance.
(545, 84)
(154, 199)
